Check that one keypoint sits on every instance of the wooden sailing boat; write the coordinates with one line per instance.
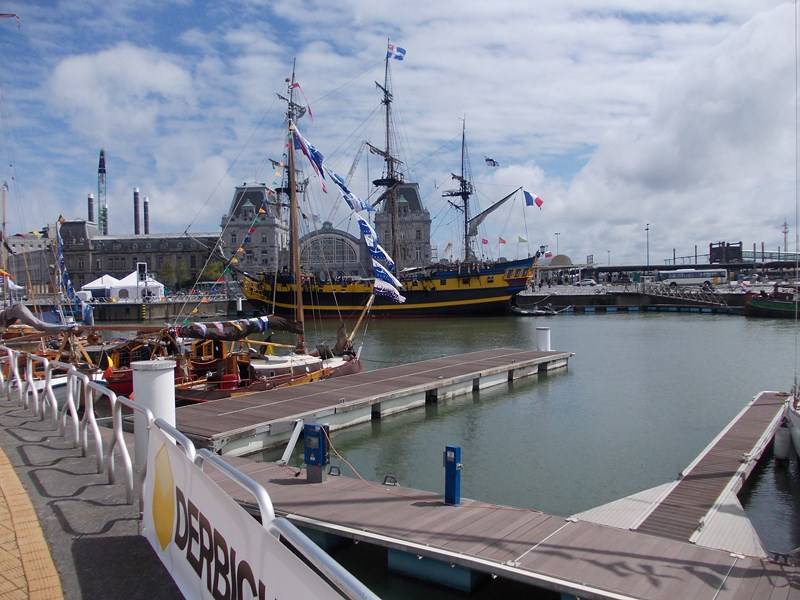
(471, 287)
(242, 365)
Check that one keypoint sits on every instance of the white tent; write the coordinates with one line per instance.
(102, 287)
(127, 288)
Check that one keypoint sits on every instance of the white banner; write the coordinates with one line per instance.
(209, 544)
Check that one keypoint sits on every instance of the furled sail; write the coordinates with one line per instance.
(19, 313)
(475, 221)
(238, 329)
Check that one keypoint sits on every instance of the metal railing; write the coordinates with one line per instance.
(84, 393)
(692, 294)
(282, 528)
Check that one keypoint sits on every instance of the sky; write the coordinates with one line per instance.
(620, 114)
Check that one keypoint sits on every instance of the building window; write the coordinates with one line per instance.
(233, 239)
(193, 261)
(263, 238)
(328, 250)
(419, 235)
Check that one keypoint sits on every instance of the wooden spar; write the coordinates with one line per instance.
(294, 233)
(367, 306)
(261, 343)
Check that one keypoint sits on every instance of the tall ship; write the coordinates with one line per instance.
(469, 286)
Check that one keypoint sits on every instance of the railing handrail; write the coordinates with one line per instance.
(93, 392)
(341, 577)
(251, 485)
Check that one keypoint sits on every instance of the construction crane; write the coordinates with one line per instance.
(352, 170)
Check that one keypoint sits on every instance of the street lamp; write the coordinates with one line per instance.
(557, 234)
(647, 234)
(609, 257)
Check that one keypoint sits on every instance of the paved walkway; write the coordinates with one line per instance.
(26, 567)
(95, 549)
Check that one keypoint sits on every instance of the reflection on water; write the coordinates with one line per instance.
(643, 396)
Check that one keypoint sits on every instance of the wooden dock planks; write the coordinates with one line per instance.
(584, 558)
(232, 416)
(679, 514)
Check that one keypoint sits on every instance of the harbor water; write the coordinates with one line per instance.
(643, 395)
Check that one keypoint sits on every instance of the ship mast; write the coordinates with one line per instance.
(391, 177)
(464, 191)
(294, 234)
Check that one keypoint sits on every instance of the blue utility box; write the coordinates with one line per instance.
(316, 453)
(452, 475)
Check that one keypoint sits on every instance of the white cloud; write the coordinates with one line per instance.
(682, 112)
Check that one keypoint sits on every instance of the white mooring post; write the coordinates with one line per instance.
(543, 339)
(153, 388)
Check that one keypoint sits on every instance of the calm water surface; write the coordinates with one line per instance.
(643, 395)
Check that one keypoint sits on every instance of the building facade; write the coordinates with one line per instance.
(257, 218)
(413, 228)
(175, 259)
(331, 254)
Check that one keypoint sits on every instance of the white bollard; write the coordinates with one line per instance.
(153, 388)
(543, 339)
(239, 304)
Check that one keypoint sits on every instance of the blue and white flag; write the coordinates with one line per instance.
(314, 156)
(381, 272)
(395, 52)
(381, 288)
(353, 201)
(371, 239)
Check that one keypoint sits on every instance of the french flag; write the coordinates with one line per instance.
(531, 199)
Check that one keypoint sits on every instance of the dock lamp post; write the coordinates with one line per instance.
(647, 237)
(557, 234)
(609, 257)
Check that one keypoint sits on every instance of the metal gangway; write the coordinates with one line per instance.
(691, 294)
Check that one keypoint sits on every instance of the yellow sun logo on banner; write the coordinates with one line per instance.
(163, 498)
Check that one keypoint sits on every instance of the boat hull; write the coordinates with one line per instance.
(794, 425)
(770, 307)
(481, 292)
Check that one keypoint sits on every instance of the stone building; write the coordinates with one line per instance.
(31, 260)
(413, 227)
(175, 259)
(256, 213)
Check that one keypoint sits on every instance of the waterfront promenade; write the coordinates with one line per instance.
(95, 550)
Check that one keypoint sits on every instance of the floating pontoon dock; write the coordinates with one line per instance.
(460, 545)
(253, 422)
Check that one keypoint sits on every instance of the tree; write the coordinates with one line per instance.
(214, 270)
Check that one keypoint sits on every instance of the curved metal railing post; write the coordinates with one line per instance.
(70, 408)
(14, 377)
(47, 398)
(49, 394)
(3, 379)
(89, 421)
(32, 393)
(119, 440)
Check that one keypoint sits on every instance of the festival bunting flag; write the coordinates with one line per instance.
(313, 155)
(381, 288)
(490, 162)
(501, 240)
(381, 272)
(484, 241)
(522, 239)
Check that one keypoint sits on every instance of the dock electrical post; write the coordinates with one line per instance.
(452, 475)
(316, 454)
